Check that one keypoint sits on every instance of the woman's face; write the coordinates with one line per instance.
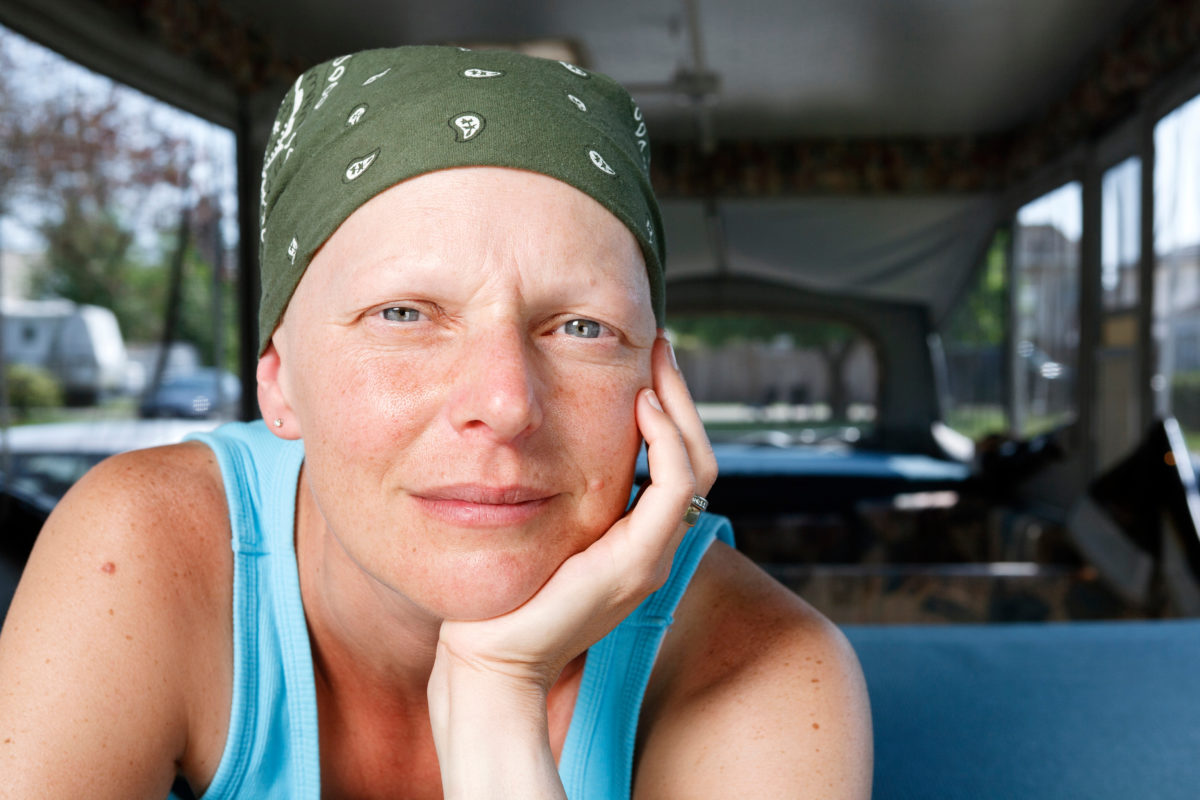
(461, 359)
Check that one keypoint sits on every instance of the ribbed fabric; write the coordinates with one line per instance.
(272, 748)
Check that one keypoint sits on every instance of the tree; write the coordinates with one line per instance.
(82, 177)
(87, 169)
(982, 318)
(87, 259)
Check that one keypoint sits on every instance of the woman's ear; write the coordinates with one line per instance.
(272, 397)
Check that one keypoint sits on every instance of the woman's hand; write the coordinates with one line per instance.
(491, 677)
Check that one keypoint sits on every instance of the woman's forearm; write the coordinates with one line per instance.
(491, 733)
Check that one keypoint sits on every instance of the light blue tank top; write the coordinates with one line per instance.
(272, 748)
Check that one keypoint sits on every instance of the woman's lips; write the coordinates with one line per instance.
(488, 506)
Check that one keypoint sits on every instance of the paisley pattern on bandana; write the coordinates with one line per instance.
(360, 165)
(467, 126)
(361, 123)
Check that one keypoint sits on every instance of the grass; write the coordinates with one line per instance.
(975, 422)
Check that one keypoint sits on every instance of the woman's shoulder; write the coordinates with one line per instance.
(158, 506)
(165, 501)
(153, 523)
(120, 623)
(762, 685)
(735, 622)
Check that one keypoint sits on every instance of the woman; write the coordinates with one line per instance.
(434, 588)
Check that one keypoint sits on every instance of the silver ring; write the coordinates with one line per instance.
(695, 508)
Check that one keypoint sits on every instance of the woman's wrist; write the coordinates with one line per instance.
(491, 732)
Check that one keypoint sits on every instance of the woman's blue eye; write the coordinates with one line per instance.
(583, 328)
(400, 314)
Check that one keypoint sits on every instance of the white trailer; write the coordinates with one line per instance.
(81, 345)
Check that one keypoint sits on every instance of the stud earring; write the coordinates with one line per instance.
(278, 422)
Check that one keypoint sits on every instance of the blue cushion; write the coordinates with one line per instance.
(1096, 710)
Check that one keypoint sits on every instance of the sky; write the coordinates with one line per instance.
(1177, 178)
(1060, 207)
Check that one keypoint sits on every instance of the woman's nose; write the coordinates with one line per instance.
(496, 388)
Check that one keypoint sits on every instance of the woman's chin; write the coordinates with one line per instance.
(485, 589)
(477, 605)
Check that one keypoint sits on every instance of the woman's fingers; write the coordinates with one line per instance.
(633, 557)
(652, 530)
(592, 591)
(677, 401)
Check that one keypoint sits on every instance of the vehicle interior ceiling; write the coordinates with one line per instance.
(850, 161)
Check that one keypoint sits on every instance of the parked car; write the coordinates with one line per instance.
(45, 460)
(204, 393)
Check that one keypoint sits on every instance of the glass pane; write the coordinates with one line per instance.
(118, 237)
(1176, 326)
(778, 380)
(1117, 427)
(973, 342)
(1120, 226)
(1046, 272)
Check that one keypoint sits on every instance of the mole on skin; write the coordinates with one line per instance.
(108, 568)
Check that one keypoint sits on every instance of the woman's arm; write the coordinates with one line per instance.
(94, 650)
(754, 694)
(487, 694)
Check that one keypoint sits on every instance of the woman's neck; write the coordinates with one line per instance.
(363, 633)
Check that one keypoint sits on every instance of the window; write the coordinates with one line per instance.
(1118, 419)
(117, 213)
(1121, 236)
(1176, 328)
(1046, 276)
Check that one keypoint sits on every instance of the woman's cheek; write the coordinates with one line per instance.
(598, 416)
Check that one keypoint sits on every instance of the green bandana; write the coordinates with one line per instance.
(357, 125)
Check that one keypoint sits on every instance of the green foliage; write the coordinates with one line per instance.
(976, 422)
(981, 317)
(86, 260)
(200, 310)
(31, 389)
(1185, 398)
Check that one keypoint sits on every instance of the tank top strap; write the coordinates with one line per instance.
(271, 748)
(597, 757)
